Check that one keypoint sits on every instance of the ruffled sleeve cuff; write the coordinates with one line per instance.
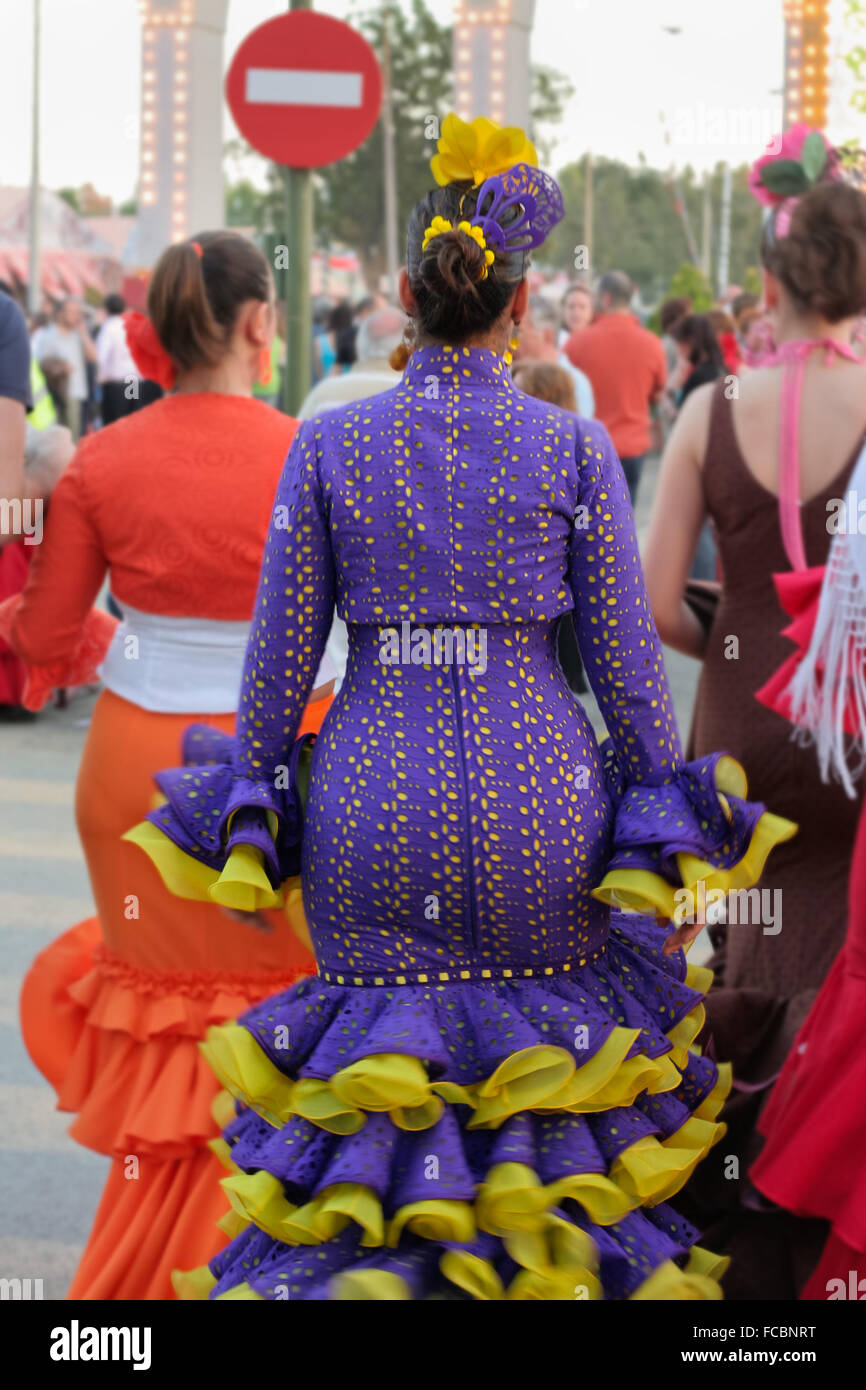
(222, 838)
(82, 665)
(695, 827)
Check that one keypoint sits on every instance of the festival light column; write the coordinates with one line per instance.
(180, 161)
(491, 59)
(807, 61)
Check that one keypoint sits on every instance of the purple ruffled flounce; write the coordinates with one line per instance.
(209, 809)
(206, 793)
(463, 1032)
(628, 1251)
(659, 818)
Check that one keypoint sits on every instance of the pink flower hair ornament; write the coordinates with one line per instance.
(804, 158)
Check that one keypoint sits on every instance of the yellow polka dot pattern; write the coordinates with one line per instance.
(458, 818)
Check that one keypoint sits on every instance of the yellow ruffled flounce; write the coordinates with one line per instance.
(641, 891)
(557, 1262)
(557, 1259)
(542, 1079)
(242, 885)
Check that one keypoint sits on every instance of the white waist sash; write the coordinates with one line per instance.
(180, 665)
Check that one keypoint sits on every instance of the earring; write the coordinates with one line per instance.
(513, 345)
(265, 367)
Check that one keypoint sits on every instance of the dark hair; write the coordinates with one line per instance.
(822, 259)
(722, 322)
(114, 304)
(747, 318)
(193, 300)
(618, 286)
(455, 299)
(340, 316)
(698, 334)
(741, 302)
(672, 310)
(344, 346)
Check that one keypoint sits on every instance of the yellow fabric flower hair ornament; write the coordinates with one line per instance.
(471, 151)
(440, 225)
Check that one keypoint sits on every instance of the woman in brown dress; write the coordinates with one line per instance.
(770, 486)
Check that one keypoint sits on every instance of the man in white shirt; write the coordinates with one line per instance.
(116, 372)
(379, 334)
(65, 348)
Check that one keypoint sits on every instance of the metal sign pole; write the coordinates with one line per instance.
(298, 185)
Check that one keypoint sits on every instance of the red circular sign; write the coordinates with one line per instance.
(304, 89)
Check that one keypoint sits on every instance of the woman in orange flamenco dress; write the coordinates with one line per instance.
(174, 502)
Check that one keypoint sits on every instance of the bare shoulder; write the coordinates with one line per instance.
(691, 433)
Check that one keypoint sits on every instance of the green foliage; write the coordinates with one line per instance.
(550, 94)
(752, 281)
(636, 226)
(349, 194)
(245, 205)
(70, 196)
(691, 283)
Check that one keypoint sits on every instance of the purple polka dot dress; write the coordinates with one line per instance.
(490, 1089)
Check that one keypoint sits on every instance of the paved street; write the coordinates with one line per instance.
(49, 1186)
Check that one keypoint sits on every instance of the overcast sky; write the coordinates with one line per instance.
(716, 81)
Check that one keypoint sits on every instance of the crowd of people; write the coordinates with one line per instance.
(370, 898)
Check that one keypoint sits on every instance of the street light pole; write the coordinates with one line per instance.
(725, 232)
(391, 254)
(706, 231)
(298, 185)
(34, 286)
(588, 209)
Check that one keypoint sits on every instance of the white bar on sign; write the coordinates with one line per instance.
(301, 87)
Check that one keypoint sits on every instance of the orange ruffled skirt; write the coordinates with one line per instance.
(113, 1011)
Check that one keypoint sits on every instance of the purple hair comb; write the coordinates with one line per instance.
(538, 197)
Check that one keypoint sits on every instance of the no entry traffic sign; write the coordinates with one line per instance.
(304, 89)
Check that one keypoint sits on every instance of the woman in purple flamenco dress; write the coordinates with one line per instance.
(489, 1089)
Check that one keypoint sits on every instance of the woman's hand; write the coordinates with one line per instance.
(249, 919)
(681, 937)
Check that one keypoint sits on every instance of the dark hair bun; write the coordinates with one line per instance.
(455, 299)
(822, 260)
(453, 264)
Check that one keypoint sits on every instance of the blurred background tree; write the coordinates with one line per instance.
(348, 194)
(636, 225)
(691, 283)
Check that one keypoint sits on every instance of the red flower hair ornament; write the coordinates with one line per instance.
(148, 353)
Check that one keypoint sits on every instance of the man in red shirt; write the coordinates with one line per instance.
(627, 368)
